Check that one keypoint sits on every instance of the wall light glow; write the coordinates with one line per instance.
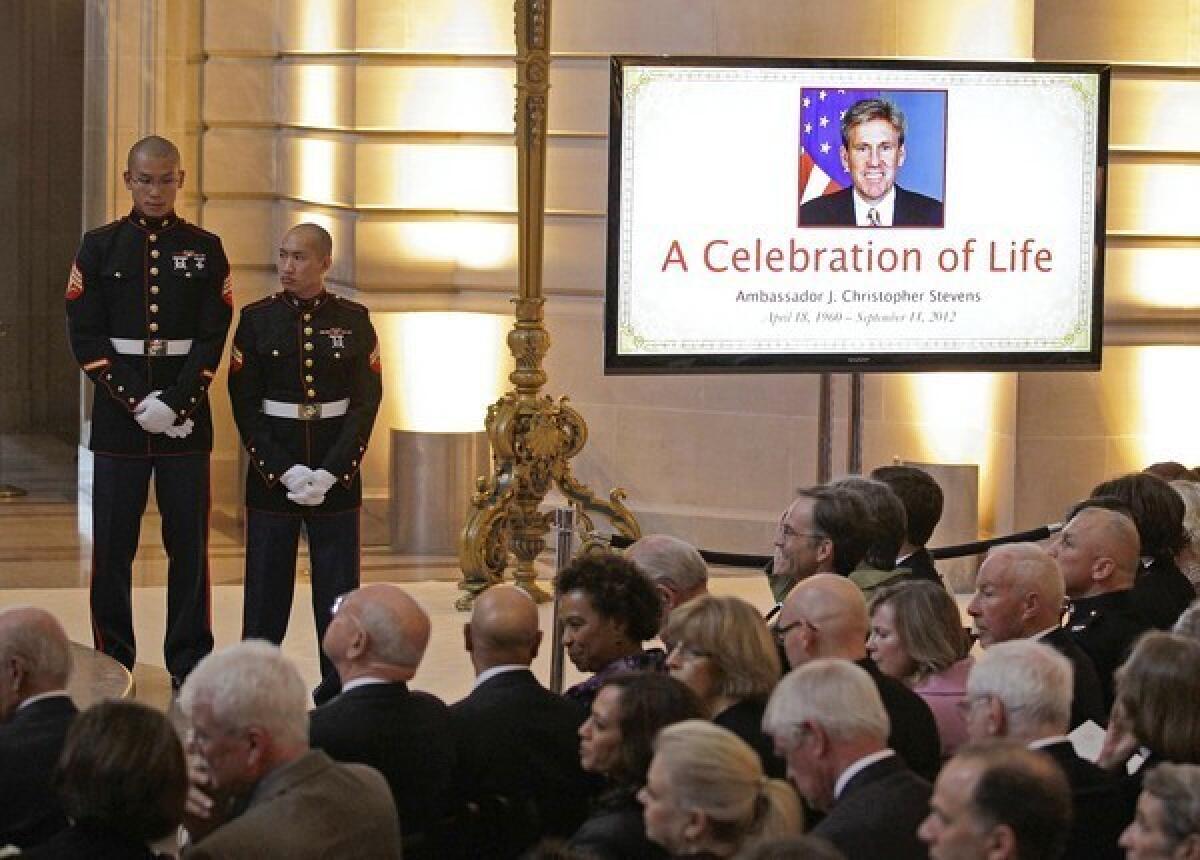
(1170, 411)
(444, 369)
(314, 170)
(318, 91)
(1162, 277)
(437, 176)
(470, 244)
(956, 412)
(1156, 198)
(435, 99)
(323, 25)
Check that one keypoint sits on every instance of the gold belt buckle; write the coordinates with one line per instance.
(157, 346)
(310, 411)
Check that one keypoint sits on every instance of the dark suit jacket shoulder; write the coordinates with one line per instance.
(91, 841)
(837, 210)
(1105, 627)
(615, 831)
(744, 719)
(914, 734)
(921, 565)
(1087, 696)
(1101, 812)
(1161, 592)
(402, 733)
(30, 743)
(878, 814)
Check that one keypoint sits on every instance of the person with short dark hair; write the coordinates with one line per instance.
(885, 523)
(824, 530)
(1000, 801)
(1160, 592)
(873, 150)
(923, 500)
(617, 743)
(123, 783)
(607, 610)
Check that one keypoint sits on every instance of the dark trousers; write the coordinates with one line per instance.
(271, 544)
(120, 486)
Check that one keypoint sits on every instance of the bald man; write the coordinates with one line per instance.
(518, 743)
(1098, 554)
(825, 615)
(305, 383)
(35, 712)
(376, 641)
(1020, 594)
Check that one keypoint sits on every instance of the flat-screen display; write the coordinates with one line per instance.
(773, 215)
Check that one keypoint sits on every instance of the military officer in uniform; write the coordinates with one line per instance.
(305, 382)
(149, 302)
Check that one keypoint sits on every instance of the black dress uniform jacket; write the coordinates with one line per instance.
(291, 350)
(149, 279)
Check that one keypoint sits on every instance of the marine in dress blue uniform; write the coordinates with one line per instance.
(149, 302)
(305, 383)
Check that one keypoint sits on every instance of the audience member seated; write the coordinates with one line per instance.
(1160, 592)
(922, 500)
(1020, 594)
(793, 848)
(607, 610)
(35, 711)
(917, 638)
(706, 794)
(1188, 558)
(1021, 690)
(723, 650)
(674, 567)
(1097, 553)
(1170, 470)
(123, 782)
(1001, 802)
(376, 639)
(518, 743)
(1188, 623)
(826, 616)
(1155, 714)
(829, 723)
(885, 525)
(1167, 824)
(823, 530)
(617, 742)
(257, 789)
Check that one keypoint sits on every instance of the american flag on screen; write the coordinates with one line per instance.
(821, 112)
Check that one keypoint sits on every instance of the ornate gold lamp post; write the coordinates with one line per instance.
(533, 436)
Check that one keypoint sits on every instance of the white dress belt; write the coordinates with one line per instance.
(305, 411)
(155, 346)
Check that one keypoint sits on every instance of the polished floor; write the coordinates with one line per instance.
(45, 560)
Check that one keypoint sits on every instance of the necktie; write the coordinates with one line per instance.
(873, 217)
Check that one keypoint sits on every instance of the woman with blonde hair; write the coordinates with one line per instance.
(706, 794)
(917, 637)
(722, 649)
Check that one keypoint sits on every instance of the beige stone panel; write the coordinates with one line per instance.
(638, 27)
(1150, 277)
(577, 175)
(240, 90)
(1054, 473)
(460, 97)
(246, 230)
(1154, 198)
(437, 176)
(1124, 454)
(579, 94)
(963, 30)
(1156, 389)
(799, 28)
(575, 255)
(436, 26)
(1123, 31)
(1065, 404)
(315, 94)
(317, 170)
(1155, 112)
(250, 285)
(318, 26)
(429, 252)
(240, 25)
(239, 161)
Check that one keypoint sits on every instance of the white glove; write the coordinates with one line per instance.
(297, 478)
(154, 415)
(323, 480)
(309, 497)
(181, 431)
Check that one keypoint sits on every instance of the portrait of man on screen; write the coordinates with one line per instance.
(873, 148)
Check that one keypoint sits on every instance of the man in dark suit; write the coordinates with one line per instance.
(375, 640)
(827, 719)
(1019, 594)
(35, 712)
(1020, 690)
(873, 132)
(518, 776)
(999, 801)
(922, 499)
(826, 616)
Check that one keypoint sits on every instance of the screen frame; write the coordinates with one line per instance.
(686, 363)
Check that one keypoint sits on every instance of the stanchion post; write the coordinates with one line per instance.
(564, 551)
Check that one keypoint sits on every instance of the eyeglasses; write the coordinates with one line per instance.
(155, 181)
(780, 631)
(688, 652)
(337, 604)
(788, 532)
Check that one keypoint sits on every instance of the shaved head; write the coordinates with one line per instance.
(153, 147)
(834, 610)
(396, 626)
(315, 236)
(503, 629)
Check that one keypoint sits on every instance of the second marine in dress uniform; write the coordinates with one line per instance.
(305, 383)
(149, 301)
